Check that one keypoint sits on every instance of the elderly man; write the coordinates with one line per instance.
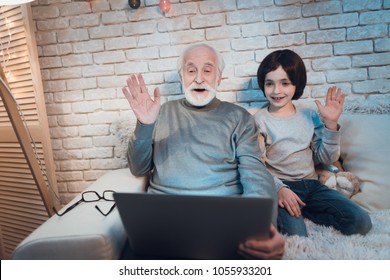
(199, 144)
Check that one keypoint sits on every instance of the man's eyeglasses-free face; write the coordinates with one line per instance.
(92, 196)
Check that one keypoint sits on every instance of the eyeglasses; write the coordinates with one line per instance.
(92, 196)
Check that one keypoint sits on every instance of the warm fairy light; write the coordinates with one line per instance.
(165, 5)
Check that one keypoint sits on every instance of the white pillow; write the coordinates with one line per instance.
(365, 151)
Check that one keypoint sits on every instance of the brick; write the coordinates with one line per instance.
(94, 130)
(116, 104)
(244, 17)
(367, 32)
(68, 96)
(74, 165)
(53, 86)
(258, 29)
(142, 54)
(98, 152)
(204, 21)
(246, 70)
(100, 6)
(114, 17)
(120, 43)
(76, 60)
(170, 88)
(58, 109)
(299, 25)
(227, 96)
(72, 120)
(336, 76)
(102, 117)
(353, 47)
(381, 72)
(238, 58)
(315, 78)
(353, 5)
(99, 94)
(57, 49)
(336, 21)
(331, 63)
(173, 24)
(102, 31)
(372, 86)
(98, 70)
(103, 141)
(139, 28)
(215, 6)
(382, 16)
(53, 24)
(314, 51)
(83, 83)
(90, 46)
(234, 84)
(77, 143)
(45, 12)
(65, 73)
(223, 32)
(381, 45)
(63, 132)
(86, 20)
(50, 62)
(252, 43)
(67, 154)
(371, 60)
(326, 36)
(111, 82)
(184, 9)
(45, 38)
(163, 64)
(286, 40)
(86, 106)
(319, 91)
(69, 176)
(248, 4)
(72, 35)
(282, 13)
(153, 40)
(109, 57)
(187, 37)
(131, 67)
(75, 8)
(323, 8)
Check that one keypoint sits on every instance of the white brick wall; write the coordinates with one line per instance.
(88, 48)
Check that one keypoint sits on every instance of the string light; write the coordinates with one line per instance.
(165, 6)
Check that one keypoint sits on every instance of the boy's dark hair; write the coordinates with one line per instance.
(291, 63)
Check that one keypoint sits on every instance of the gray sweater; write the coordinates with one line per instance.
(294, 145)
(211, 150)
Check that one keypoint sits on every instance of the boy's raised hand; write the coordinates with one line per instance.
(330, 113)
(144, 107)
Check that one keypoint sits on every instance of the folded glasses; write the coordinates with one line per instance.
(92, 196)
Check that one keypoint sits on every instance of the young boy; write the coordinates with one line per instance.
(294, 140)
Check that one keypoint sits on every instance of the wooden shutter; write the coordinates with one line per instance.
(21, 206)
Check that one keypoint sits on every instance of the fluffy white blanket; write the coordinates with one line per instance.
(325, 243)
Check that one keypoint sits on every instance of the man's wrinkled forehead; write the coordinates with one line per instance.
(200, 56)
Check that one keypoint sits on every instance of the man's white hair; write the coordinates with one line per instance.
(220, 61)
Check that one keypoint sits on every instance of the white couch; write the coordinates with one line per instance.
(84, 233)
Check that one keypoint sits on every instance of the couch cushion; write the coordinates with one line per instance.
(83, 233)
(365, 151)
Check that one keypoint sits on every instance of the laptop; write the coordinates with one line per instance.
(163, 226)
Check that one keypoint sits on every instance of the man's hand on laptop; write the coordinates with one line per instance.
(269, 249)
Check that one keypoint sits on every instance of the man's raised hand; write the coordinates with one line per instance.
(144, 107)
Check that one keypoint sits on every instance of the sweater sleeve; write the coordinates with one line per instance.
(140, 150)
(255, 178)
(325, 143)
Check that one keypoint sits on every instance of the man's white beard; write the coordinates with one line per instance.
(198, 100)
